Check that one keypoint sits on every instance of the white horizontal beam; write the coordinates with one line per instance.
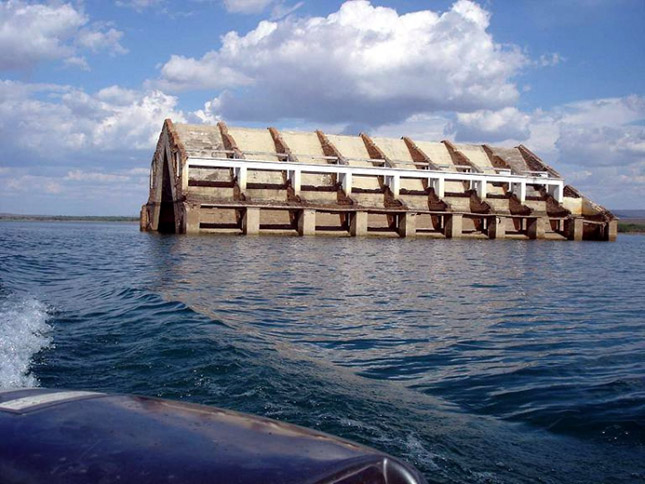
(476, 178)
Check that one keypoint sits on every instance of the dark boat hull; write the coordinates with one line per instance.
(54, 436)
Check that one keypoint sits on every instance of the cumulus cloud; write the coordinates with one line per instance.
(361, 64)
(597, 145)
(70, 120)
(97, 40)
(78, 193)
(506, 123)
(599, 132)
(32, 33)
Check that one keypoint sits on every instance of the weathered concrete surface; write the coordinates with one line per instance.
(306, 148)
(612, 230)
(440, 156)
(454, 226)
(192, 218)
(358, 226)
(143, 218)
(251, 221)
(354, 150)
(496, 228)
(575, 228)
(536, 227)
(191, 191)
(408, 225)
(307, 222)
(478, 157)
(201, 141)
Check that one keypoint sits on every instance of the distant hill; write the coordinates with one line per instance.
(629, 214)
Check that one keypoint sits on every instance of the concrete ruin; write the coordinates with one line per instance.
(220, 179)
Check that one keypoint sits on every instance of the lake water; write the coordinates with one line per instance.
(477, 361)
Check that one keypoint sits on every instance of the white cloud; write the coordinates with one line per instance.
(73, 121)
(78, 62)
(361, 64)
(105, 193)
(85, 176)
(506, 123)
(279, 8)
(97, 40)
(32, 33)
(246, 6)
(592, 133)
(422, 127)
(597, 145)
(53, 187)
(548, 60)
(282, 9)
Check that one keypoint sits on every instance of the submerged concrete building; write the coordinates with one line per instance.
(220, 179)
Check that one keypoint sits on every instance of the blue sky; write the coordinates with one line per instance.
(85, 85)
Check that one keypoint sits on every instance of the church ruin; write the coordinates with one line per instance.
(220, 179)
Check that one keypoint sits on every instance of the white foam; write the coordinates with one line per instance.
(23, 333)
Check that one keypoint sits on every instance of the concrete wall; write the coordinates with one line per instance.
(205, 199)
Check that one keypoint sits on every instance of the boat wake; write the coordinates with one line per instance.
(23, 333)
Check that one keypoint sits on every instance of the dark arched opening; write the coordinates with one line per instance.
(167, 209)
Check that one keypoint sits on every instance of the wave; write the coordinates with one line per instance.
(23, 333)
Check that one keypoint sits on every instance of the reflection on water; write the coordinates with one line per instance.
(477, 360)
(493, 326)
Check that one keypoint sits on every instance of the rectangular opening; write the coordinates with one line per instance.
(430, 224)
(279, 220)
(382, 222)
(332, 221)
(215, 218)
(473, 225)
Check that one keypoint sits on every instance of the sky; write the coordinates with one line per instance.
(85, 85)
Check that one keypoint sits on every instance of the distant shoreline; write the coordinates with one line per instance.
(625, 226)
(631, 227)
(65, 218)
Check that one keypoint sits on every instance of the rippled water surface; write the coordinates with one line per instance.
(478, 361)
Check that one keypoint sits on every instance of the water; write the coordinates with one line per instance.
(477, 361)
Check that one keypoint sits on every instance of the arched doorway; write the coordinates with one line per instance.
(167, 208)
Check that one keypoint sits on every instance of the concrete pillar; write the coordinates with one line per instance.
(496, 228)
(574, 228)
(143, 219)
(519, 189)
(441, 187)
(251, 221)
(307, 222)
(346, 183)
(556, 191)
(295, 176)
(191, 218)
(408, 225)
(358, 225)
(611, 230)
(394, 182)
(454, 224)
(241, 176)
(481, 189)
(536, 227)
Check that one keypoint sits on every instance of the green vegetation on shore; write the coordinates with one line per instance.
(632, 227)
(65, 218)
